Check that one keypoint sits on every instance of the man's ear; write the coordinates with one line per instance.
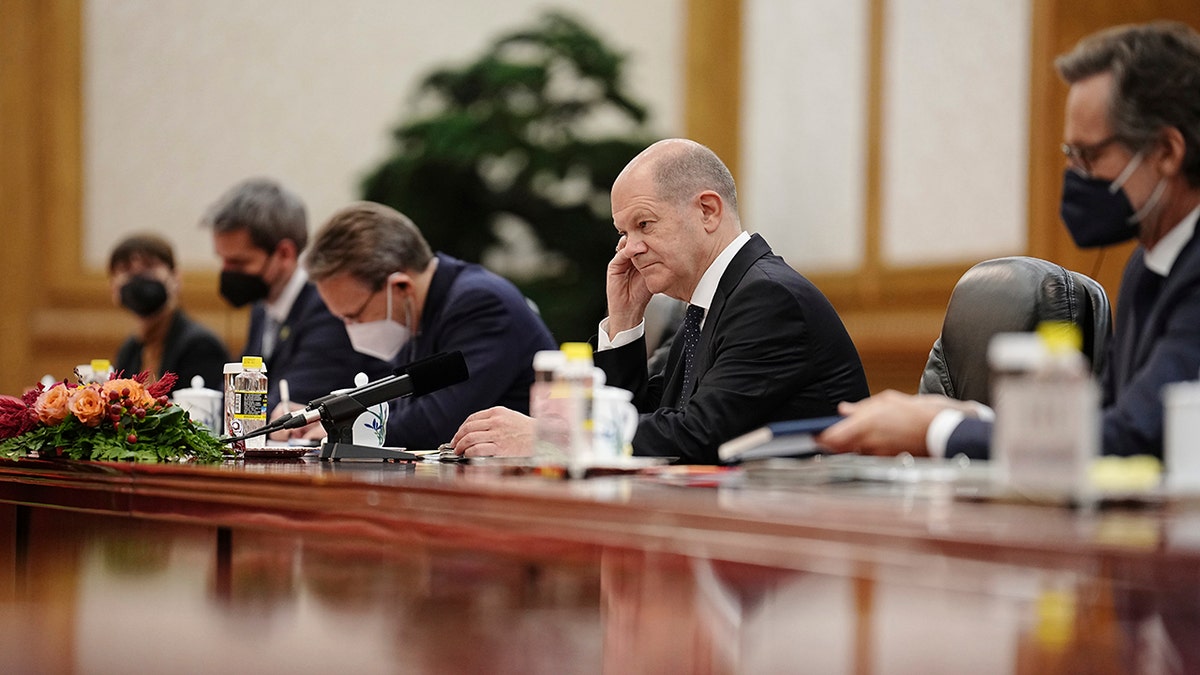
(399, 280)
(712, 208)
(287, 249)
(1173, 147)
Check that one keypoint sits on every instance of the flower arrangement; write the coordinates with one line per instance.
(122, 419)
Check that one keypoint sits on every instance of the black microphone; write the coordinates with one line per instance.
(421, 377)
(417, 378)
(426, 371)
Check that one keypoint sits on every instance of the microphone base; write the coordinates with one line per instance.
(338, 450)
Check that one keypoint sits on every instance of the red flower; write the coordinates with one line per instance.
(31, 395)
(164, 385)
(16, 417)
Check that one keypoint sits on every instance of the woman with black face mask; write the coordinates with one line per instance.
(144, 281)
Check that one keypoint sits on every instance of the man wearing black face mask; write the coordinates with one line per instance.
(260, 230)
(143, 278)
(1132, 144)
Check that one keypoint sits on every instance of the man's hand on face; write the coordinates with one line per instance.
(627, 292)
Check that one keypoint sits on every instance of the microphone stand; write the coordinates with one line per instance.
(339, 436)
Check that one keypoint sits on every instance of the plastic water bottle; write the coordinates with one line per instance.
(1047, 429)
(577, 377)
(250, 400)
(96, 372)
(547, 406)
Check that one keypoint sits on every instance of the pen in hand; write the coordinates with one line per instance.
(285, 396)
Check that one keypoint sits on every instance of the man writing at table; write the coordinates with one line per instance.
(1133, 151)
(760, 343)
(401, 302)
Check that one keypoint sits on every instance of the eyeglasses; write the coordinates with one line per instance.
(1081, 156)
(353, 318)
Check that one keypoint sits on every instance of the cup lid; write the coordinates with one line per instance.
(197, 389)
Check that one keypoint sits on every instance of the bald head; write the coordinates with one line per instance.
(681, 168)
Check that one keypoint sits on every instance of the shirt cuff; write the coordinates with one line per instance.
(983, 412)
(938, 433)
(937, 436)
(621, 339)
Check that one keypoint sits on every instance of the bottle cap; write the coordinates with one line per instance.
(1060, 336)
(548, 359)
(252, 362)
(1015, 351)
(577, 351)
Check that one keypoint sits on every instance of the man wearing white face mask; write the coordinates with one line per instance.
(401, 302)
(1132, 145)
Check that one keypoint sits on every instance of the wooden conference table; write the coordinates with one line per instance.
(308, 567)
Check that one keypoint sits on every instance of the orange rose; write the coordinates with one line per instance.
(137, 393)
(88, 405)
(51, 405)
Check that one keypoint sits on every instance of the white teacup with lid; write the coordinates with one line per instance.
(370, 428)
(204, 405)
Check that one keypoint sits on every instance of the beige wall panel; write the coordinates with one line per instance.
(955, 130)
(182, 99)
(804, 129)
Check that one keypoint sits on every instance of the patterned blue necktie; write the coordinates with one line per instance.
(691, 338)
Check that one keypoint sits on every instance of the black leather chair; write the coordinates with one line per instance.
(1010, 295)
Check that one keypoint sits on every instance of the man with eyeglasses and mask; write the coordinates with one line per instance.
(1132, 143)
(144, 280)
(260, 230)
(402, 302)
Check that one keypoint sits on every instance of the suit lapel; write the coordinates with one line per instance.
(1184, 276)
(1135, 337)
(754, 249)
(284, 345)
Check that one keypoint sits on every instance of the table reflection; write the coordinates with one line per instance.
(440, 568)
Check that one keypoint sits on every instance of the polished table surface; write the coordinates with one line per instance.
(305, 566)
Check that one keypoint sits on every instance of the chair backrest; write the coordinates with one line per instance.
(1010, 295)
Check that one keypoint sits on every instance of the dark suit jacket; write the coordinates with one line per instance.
(189, 350)
(1160, 346)
(483, 315)
(772, 349)
(312, 351)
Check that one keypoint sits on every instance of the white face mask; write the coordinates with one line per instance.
(381, 339)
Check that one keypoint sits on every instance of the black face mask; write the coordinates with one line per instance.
(1096, 214)
(144, 296)
(241, 289)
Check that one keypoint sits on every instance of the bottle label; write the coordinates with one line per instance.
(250, 405)
(1047, 431)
